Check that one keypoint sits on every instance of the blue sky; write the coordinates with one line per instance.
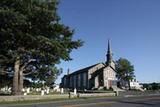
(132, 25)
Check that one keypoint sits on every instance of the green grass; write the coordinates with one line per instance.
(32, 101)
(51, 100)
(39, 93)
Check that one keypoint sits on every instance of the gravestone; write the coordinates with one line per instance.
(42, 92)
(25, 94)
(62, 91)
(28, 90)
(47, 91)
(23, 90)
(75, 91)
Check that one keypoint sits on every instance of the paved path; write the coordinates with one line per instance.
(141, 101)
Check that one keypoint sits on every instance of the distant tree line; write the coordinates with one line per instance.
(151, 86)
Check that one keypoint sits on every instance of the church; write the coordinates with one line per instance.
(97, 76)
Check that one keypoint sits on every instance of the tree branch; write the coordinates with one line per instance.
(24, 74)
(29, 73)
(25, 64)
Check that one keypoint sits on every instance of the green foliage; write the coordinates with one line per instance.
(151, 86)
(47, 74)
(155, 86)
(31, 32)
(124, 70)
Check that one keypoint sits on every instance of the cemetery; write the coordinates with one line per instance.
(47, 94)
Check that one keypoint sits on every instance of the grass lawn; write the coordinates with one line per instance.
(50, 100)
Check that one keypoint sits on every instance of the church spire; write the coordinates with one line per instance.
(109, 54)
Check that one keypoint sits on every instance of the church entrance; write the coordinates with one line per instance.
(112, 83)
(109, 83)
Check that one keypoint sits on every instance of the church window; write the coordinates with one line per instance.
(71, 81)
(74, 81)
(84, 79)
(79, 80)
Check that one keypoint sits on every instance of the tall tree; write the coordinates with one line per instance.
(124, 70)
(32, 38)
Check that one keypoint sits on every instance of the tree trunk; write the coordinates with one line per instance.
(129, 86)
(18, 78)
(20, 87)
(15, 78)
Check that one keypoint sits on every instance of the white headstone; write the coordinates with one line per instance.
(9, 89)
(28, 90)
(25, 93)
(37, 89)
(42, 92)
(75, 91)
(23, 90)
(47, 91)
(62, 91)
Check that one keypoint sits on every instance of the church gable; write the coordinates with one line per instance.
(95, 68)
(109, 73)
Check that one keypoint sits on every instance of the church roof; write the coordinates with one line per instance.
(98, 71)
(84, 69)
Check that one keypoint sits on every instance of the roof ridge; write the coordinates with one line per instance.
(86, 68)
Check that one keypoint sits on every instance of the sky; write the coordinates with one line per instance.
(133, 26)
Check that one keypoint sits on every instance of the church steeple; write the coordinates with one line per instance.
(109, 54)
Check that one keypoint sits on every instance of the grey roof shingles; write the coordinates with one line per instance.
(83, 70)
